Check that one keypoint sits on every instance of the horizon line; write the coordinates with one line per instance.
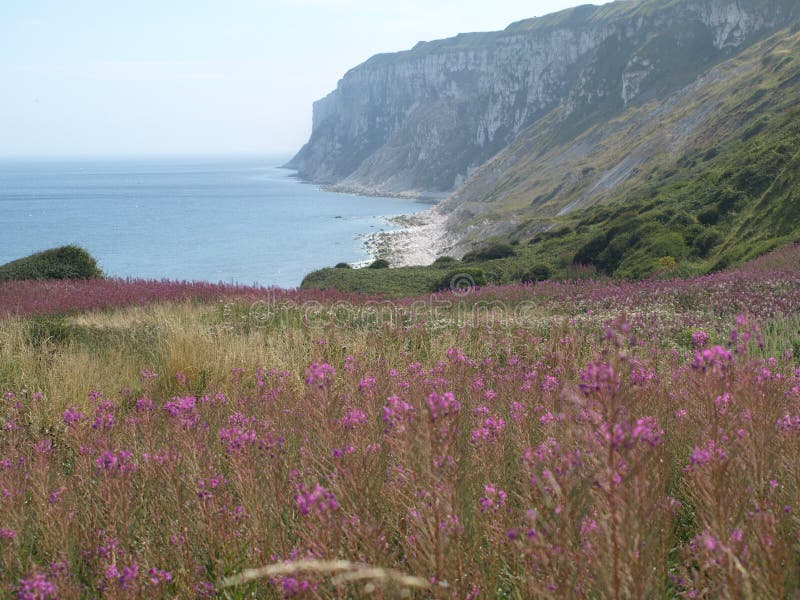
(150, 155)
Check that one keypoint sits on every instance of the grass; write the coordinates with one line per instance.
(561, 439)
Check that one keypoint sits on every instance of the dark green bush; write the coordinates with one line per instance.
(66, 262)
(461, 279)
(537, 273)
(342, 265)
(706, 241)
(709, 216)
(444, 261)
(379, 264)
(610, 258)
(589, 252)
(490, 252)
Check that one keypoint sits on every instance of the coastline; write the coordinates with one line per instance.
(421, 238)
(357, 190)
(417, 239)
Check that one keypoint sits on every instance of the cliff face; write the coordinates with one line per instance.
(422, 121)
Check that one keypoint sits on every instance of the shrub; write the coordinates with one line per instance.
(666, 243)
(709, 216)
(342, 265)
(461, 279)
(490, 252)
(444, 261)
(706, 241)
(537, 273)
(587, 254)
(379, 264)
(66, 262)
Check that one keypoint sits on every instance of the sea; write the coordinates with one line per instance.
(239, 220)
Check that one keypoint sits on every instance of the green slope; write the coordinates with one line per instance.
(705, 178)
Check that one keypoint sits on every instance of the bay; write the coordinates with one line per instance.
(230, 219)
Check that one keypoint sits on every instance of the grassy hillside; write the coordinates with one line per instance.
(66, 262)
(719, 144)
(704, 179)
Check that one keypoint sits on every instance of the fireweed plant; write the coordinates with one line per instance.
(620, 440)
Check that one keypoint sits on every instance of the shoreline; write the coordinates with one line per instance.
(419, 197)
(421, 238)
(417, 239)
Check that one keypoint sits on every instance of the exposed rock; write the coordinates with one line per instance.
(421, 122)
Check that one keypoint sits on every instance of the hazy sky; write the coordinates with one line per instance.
(96, 77)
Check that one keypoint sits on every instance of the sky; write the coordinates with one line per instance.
(161, 77)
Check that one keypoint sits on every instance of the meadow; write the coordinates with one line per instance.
(593, 439)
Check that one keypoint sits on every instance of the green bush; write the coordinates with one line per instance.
(666, 243)
(709, 216)
(342, 265)
(66, 262)
(461, 279)
(706, 241)
(444, 261)
(379, 264)
(588, 253)
(490, 252)
(537, 273)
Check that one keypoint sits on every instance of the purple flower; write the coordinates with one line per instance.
(442, 405)
(788, 423)
(128, 575)
(148, 375)
(43, 447)
(722, 402)
(292, 587)
(36, 587)
(599, 378)
(518, 411)
(714, 359)
(647, 430)
(354, 417)
(177, 405)
(55, 496)
(705, 455)
(396, 413)
(319, 500)
(367, 383)
(157, 576)
(72, 416)
(493, 500)
(104, 416)
(237, 438)
(144, 404)
(340, 452)
(319, 374)
(118, 462)
(491, 428)
(549, 383)
(699, 339)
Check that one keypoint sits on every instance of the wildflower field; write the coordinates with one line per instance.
(560, 440)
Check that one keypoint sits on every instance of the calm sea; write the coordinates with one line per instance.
(240, 220)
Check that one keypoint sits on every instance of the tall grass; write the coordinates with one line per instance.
(164, 451)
